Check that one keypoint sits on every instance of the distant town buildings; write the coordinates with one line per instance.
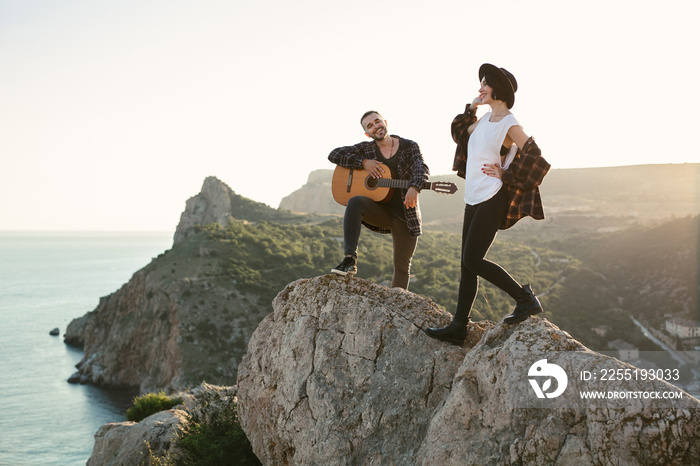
(626, 351)
(683, 328)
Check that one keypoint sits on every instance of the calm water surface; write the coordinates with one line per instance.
(47, 280)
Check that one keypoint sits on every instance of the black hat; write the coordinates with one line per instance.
(505, 82)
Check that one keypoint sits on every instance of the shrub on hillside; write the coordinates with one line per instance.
(212, 434)
(149, 404)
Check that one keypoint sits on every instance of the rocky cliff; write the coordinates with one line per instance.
(213, 204)
(178, 321)
(341, 373)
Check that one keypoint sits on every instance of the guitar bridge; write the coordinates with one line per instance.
(349, 187)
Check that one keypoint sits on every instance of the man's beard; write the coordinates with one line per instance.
(379, 134)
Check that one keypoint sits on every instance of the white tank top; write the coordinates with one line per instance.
(484, 147)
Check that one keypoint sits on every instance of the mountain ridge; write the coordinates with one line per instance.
(584, 198)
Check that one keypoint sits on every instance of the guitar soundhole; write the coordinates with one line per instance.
(371, 182)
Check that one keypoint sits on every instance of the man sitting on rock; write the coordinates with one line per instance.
(400, 215)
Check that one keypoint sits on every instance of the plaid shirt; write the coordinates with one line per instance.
(410, 167)
(522, 178)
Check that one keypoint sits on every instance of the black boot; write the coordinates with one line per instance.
(454, 333)
(527, 305)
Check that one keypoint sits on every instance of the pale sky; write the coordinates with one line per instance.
(112, 112)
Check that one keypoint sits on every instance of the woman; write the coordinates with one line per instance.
(503, 168)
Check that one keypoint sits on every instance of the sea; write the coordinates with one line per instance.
(46, 280)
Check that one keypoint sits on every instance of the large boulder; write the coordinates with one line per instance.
(123, 443)
(341, 373)
(493, 415)
(334, 373)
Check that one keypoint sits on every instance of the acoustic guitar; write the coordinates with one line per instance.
(351, 182)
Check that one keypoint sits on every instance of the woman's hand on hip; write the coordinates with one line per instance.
(493, 169)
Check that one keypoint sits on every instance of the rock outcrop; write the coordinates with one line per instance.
(131, 338)
(218, 203)
(341, 373)
(127, 443)
(336, 357)
(123, 443)
(213, 204)
(314, 197)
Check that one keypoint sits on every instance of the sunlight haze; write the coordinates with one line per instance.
(114, 112)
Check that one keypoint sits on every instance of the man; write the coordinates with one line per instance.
(400, 216)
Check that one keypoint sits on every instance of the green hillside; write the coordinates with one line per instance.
(263, 257)
(584, 281)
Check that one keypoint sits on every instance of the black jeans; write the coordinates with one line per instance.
(361, 208)
(481, 223)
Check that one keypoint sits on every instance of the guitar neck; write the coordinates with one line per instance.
(399, 184)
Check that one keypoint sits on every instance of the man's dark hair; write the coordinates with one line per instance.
(369, 112)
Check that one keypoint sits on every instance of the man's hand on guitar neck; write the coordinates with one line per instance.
(373, 167)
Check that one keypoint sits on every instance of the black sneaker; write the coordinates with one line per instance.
(348, 266)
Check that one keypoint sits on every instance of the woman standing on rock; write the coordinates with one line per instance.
(503, 168)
